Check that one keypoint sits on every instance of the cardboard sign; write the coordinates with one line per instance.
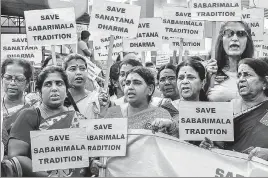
(258, 45)
(188, 44)
(149, 37)
(59, 149)
(81, 27)
(101, 46)
(264, 50)
(205, 119)
(216, 10)
(255, 18)
(106, 137)
(93, 70)
(114, 18)
(15, 46)
(51, 27)
(178, 23)
(258, 3)
(162, 59)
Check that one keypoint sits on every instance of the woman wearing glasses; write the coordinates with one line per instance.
(233, 44)
(16, 75)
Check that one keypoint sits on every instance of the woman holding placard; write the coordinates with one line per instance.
(191, 75)
(233, 44)
(139, 88)
(52, 84)
(16, 75)
(250, 110)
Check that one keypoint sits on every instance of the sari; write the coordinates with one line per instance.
(142, 119)
(31, 119)
(9, 117)
(69, 119)
(89, 105)
(250, 127)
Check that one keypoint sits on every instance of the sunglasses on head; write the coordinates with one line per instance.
(230, 33)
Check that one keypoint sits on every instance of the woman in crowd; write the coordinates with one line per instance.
(191, 75)
(87, 102)
(250, 110)
(16, 75)
(52, 84)
(114, 88)
(233, 44)
(167, 79)
(139, 88)
(125, 67)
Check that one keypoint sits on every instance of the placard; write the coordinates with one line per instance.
(114, 18)
(264, 50)
(258, 45)
(59, 149)
(178, 23)
(258, 3)
(149, 36)
(255, 18)
(101, 46)
(93, 70)
(162, 59)
(216, 10)
(213, 120)
(51, 27)
(15, 46)
(80, 28)
(106, 137)
(188, 44)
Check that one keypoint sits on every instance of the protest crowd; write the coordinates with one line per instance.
(76, 116)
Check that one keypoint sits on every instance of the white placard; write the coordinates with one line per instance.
(81, 27)
(216, 10)
(205, 119)
(114, 18)
(106, 137)
(258, 3)
(149, 36)
(188, 44)
(255, 18)
(51, 27)
(59, 149)
(15, 46)
(178, 23)
(101, 46)
(93, 70)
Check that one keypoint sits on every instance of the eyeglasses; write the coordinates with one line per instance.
(230, 33)
(169, 79)
(17, 79)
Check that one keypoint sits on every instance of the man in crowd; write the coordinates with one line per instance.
(82, 47)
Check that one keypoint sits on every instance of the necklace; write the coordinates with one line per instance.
(81, 98)
(44, 111)
(4, 104)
